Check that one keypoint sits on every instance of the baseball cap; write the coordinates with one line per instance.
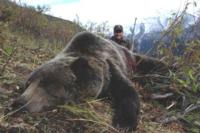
(118, 28)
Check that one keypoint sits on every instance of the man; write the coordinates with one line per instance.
(118, 37)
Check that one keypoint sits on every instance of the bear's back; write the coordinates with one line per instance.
(88, 44)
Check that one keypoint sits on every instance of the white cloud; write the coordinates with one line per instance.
(114, 11)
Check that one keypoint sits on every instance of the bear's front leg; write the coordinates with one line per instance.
(125, 101)
(126, 109)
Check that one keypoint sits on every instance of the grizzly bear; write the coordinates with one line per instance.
(90, 66)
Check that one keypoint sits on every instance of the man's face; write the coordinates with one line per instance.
(118, 34)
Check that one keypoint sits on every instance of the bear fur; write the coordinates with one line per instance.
(90, 66)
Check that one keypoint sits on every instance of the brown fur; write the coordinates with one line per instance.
(90, 66)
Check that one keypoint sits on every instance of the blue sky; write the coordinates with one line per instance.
(48, 2)
(114, 11)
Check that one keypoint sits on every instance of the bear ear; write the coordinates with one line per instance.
(81, 68)
(79, 63)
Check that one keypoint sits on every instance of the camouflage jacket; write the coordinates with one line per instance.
(122, 42)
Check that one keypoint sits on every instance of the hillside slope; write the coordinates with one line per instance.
(32, 22)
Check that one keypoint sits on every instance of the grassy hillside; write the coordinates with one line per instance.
(32, 21)
(29, 38)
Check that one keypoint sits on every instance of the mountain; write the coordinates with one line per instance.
(185, 31)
